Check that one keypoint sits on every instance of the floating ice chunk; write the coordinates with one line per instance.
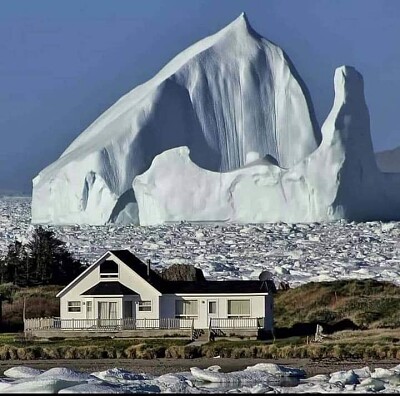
(372, 384)
(382, 373)
(277, 370)
(239, 377)
(176, 383)
(393, 380)
(344, 377)
(22, 372)
(320, 387)
(4, 385)
(39, 385)
(120, 376)
(259, 388)
(64, 373)
(94, 388)
(364, 372)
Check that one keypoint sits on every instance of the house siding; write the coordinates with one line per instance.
(162, 306)
(260, 307)
(127, 277)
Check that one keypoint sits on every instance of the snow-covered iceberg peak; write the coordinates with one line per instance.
(230, 97)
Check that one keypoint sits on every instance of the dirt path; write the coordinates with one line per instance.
(163, 366)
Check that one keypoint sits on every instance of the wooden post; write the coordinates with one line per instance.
(24, 310)
(1, 309)
(192, 329)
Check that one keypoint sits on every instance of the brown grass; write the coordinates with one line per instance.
(367, 303)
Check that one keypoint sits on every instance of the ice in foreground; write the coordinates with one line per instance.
(261, 378)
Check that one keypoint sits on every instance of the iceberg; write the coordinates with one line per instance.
(232, 98)
(339, 180)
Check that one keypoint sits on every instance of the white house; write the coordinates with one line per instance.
(121, 292)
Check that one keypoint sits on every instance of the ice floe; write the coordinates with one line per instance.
(294, 253)
(260, 378)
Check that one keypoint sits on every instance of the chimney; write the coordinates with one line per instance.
(148, 267)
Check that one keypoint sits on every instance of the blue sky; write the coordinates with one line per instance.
(63, 63)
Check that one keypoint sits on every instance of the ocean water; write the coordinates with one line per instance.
(260, 378)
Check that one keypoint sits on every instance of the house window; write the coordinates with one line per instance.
(144, 306)
(238, 308)
(212, 307)
(108, 269)
(74, 306)
(186, 308)
(88, 307)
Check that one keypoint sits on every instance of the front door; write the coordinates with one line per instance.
(129, 315)
(212, 310)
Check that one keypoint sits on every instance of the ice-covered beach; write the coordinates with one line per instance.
(259, 378)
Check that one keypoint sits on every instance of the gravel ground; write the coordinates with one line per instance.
(163, 366)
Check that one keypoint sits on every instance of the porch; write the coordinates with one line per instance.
(146, 328)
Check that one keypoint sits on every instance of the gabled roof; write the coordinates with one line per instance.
(193, 287)
(82, 275)
(112, 288)
(137, 265)
(173, 287)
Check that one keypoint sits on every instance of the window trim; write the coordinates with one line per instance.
(208, 307)
(187, 316)
(77, 305)
(229, 315)
(142, 305)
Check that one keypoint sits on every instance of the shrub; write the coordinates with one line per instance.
(51, 353)
(175, 352)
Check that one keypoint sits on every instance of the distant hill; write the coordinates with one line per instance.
(14, 193)
(389, 160)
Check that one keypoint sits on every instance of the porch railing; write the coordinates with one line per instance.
(236, 323)
(106, 324)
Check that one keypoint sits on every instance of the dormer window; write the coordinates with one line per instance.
(108, 269)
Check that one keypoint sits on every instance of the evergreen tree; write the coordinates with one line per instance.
(43, 261)
(52, 262)
(13, 262)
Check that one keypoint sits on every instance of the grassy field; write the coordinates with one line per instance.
(362, 344)
(41, 301)
(366, 303)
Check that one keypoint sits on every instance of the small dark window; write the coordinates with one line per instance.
(108, 269)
